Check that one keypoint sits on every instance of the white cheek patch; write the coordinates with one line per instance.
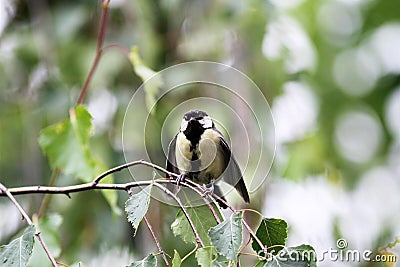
(184, 125)
(206, 122)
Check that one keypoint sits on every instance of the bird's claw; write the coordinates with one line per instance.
(209, 190)
(181, 179)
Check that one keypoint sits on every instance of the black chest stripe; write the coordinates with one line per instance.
(194, 156)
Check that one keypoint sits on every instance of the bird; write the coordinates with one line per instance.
(200, 153)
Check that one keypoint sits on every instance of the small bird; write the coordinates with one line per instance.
(200, 153)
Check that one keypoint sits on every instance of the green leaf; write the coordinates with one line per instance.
(176, 261)
(272, 233)
(206, 256)
(149, 261)
(300, 256)
(151, 82)
(203, 220)
(227, 236)
(260, 264)
(66, 144)
(18, 251)
(220, 264)
(137, 205)
(48, 226)
(305, 253)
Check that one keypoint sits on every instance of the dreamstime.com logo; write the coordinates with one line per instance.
(338, 254)
(341, 253)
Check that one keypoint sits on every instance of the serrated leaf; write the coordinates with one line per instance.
(149, 261)
(151, 82)
(66, 144)
(176, 261)
(203, 220)
(48, 226)
(300, 256)
(272, 233)
(137, 205)
(18, 251)
(227, 236)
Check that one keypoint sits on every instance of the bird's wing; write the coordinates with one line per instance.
(171, 159)
(233, 174)
(171, 164)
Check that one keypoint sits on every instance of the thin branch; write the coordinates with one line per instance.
(130, 164)
(96, 185)
(118, 47)
(66, 190)
(156, 241)
(192, 185)
(104, 12)
(4, 190)
(99, 51)
(190, 253)
(90, 186)
(168, 192)
(46, 249)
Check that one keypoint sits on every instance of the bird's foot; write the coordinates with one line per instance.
(209, 190)
(180, 179)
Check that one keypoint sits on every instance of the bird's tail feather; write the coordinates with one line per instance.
(241, 188)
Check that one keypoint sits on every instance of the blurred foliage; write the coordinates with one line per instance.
(47, 48)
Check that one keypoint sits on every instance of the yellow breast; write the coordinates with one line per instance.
(183, 153)
(210, 159)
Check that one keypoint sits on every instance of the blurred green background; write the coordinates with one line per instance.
(330, 71)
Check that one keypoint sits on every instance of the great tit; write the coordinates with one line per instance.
(200, 153)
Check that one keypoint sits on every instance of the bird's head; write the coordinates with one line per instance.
(196, 120)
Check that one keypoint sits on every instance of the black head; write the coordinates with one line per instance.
(196, 121)
(194, 114)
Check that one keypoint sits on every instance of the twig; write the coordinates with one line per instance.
(190, 253)
(188, 184)
(4, 190)
(90, 186)
(192, 185)
(100, 39)
(120, 48)
(66, 190)
(130, 164)
(7, 192)
(96, 185)
(156, 241)
(168, 192)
